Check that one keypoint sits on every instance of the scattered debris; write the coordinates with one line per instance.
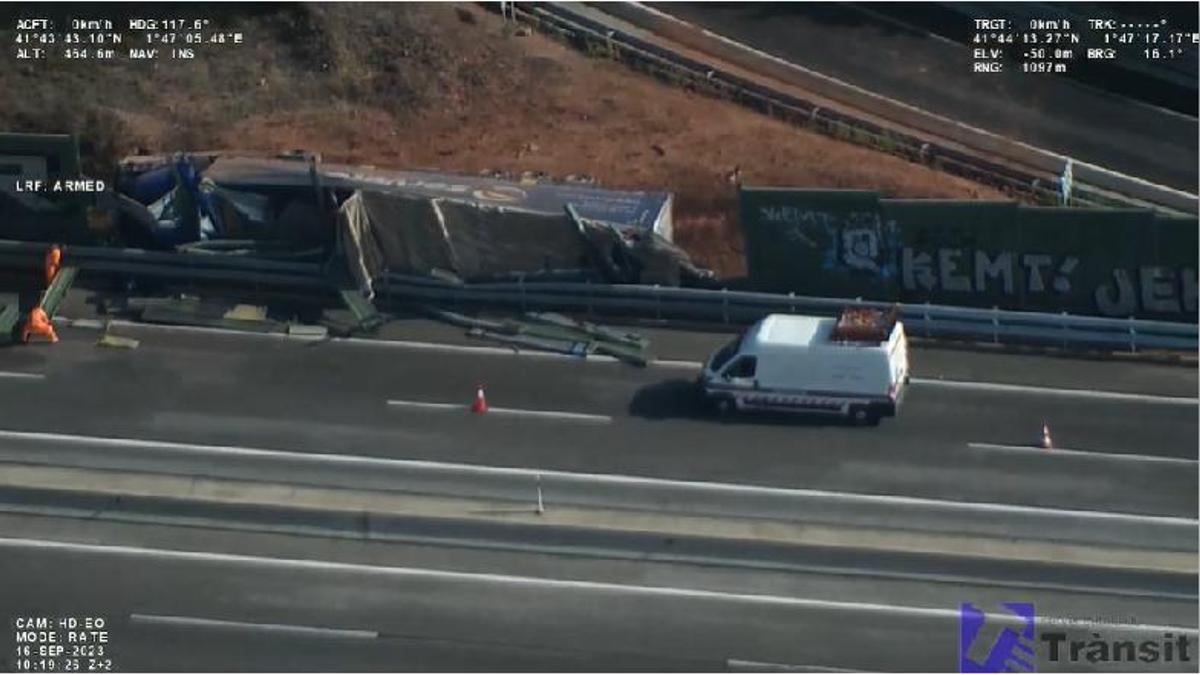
(192, 311)
(53, 296)
(365, 313)
(553, 333)
(10, 313)
(307, 331)
(117, 342)
(247, 313)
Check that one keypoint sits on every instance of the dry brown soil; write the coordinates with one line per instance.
(452, 87)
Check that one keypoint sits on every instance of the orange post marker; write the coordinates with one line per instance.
(52, 263)
(38, 324)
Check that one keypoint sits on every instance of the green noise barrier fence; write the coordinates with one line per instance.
(851, 243)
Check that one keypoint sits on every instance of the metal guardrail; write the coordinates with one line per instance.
(741, 308)
(596, 37)
(622, 300)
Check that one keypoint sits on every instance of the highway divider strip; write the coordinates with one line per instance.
(521, 582)
(573, 533)
(1152, 532)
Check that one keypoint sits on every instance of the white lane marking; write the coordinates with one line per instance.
(376, 342)
(1113, 456)
(422, 405)
(661, 363)
(550, 414)
(512, 412)
(507, 579)
(13, 375)
(669, 363)
(191, 621)
(1053, 391)
(611, 479)
(763, 666)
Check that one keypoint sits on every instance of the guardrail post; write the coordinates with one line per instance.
(1132, 335)
(995, 324)
(588, 284)
(657, 303)
(725, 304)
(521, 285)
(1065, 329)
(792, 301)
(926, 318)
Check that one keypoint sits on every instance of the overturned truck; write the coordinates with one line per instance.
(448, 226)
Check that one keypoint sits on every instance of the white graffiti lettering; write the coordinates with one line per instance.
(947, 265)
(1034, 262)
(1158, 292)
(1188, 282)
(1117, 298)
(1062, 282)
(1000, 266)
(917, 269)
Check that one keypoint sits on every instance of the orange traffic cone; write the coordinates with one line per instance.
(1047, 443)
(39, 324)
(53, 259)
(479, 405)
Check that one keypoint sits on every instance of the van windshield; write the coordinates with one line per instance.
(724, 354)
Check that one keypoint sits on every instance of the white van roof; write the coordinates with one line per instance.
(791, 330)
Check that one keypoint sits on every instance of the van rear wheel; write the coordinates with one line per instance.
(864, 416)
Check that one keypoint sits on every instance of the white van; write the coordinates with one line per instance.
(855, 365)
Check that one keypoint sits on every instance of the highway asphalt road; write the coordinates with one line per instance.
(975, 444)
(853, 45)
(205, 600)
(191, 596)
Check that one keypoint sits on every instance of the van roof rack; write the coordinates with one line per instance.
(864, 324)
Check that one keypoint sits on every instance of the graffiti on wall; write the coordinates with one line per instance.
(1152, 288)
(868, 247)
(859, 241)
(977, 271)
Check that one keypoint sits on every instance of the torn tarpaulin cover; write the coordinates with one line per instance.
(404, 234)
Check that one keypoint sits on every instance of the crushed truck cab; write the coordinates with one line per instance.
(855, 365)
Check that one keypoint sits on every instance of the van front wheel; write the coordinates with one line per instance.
(724, 407)
(864, 416)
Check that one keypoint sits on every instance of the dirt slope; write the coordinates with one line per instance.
(451, 87)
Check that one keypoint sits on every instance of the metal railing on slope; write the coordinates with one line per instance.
(595, 37)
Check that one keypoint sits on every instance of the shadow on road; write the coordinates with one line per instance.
(680, 399)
